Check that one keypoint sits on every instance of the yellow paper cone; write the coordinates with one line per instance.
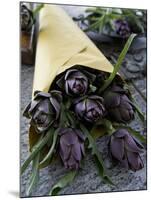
(61, 45)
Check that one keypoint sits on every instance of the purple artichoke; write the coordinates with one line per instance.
(122, 28)
(90, 108)
(71, 147)
(74, 82)
(118, 105)
(26, 18)
(126, 149)
(44, 110)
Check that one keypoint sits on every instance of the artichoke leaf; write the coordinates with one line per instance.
(97, 156)
(63, 182)
(34, 176)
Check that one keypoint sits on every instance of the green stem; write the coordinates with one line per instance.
(49, 155)
(109, 127)
(118, 64)
(97, 155)
(71, 119)
(140, 114)
(34, 175)
(38, 8)
(35, 150)
(63, 117)
(94, 25)
(107, 124)
(63, 182)
(66, 116)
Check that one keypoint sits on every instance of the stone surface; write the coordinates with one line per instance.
(87, 180)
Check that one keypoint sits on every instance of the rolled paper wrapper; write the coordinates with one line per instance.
(61, 45)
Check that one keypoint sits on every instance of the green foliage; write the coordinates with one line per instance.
(97, 156)
(36, 149)
(49, 155)
(63, 182)
(118, 63)
(102, 19)
(35, 175)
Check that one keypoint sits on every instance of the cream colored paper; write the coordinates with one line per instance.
(61, 45)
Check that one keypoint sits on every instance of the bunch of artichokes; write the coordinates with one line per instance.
(72, 101)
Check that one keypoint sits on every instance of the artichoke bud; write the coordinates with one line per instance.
(75, 82)
(126, 149)
(44, 110)
(122, 28)
(71, 147)
(118, 105)
(90, 108)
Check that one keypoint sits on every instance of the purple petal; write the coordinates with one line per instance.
(78, 100)
(67, 87)
(131, 145)
(82, 149)
(131, 113)
(69, 72)
(124, 163)
(96, 98)
(140, 163)
(64, 150)
(69, 138)
(85, 83)
(70, 83)
(61, 82)
(138, 143)
(80, 134)
(80, 108)
(118, 89)
(71, 162)
(100, 110)
(126, 105)
(78, 75)
(76, 151)
(25, 112)
(57, 95)
(63, 131)
(125, 114)
(42, 94)
(134, 160)
(117, 148)
(56, 106)
(90, 76)
(115, 114)
(30, 108)
(121, 133)
(89, 116)
(90, 104)
(124, 98)
(101, 105)
(112, 100)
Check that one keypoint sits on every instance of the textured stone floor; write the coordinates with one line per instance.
(88, 180)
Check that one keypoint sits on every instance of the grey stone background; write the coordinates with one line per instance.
(88, 180)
